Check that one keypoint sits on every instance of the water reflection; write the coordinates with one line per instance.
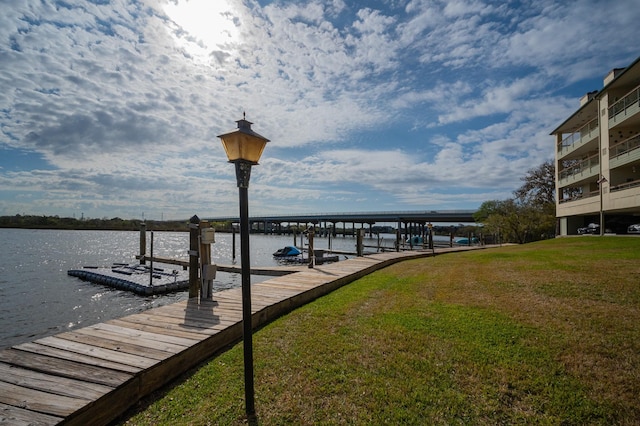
(38, 298)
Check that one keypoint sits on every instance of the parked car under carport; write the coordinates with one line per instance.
(592, 228)
(634, 229)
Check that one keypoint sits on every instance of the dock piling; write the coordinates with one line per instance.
(143, 242)
(208, 273)
(194, 223)
(151, 265)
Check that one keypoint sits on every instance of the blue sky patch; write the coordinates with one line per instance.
(369, 106)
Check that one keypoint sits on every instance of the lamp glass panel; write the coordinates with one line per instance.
(240, 146)
(231, 147)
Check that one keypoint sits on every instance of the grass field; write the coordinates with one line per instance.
(543, 333)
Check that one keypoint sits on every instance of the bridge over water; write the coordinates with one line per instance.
(403, 219)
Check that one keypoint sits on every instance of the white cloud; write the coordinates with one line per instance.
(419, 102)
(495, 99)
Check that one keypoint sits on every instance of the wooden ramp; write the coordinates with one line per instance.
(94, 374)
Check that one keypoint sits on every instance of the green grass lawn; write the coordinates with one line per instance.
(543, 333)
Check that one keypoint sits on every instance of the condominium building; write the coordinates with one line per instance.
(598, 157)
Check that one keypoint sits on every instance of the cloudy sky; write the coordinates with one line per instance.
(112, 108)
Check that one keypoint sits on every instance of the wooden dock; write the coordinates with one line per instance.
(94, 374)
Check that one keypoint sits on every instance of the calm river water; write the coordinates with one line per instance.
(38, 298)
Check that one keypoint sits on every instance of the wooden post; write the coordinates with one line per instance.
(406, 230)
(143, 242)
(208, 271)
(193, 256)
(359, 248)
(151, 263)
(312, 256)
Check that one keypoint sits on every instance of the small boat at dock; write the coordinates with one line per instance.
(465, 241)
(415, 240)
(288, 251)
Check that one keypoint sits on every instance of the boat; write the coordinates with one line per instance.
(465, 241)
(416, 240)
(288, 251)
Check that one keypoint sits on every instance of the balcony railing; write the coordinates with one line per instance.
(580, 196)
(580, 167)
(628, 101)
(625, 185)
(625, 146)
(578, 135)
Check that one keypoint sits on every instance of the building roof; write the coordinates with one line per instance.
(589, 110)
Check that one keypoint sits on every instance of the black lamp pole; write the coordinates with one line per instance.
(243, 173)
(244, 148)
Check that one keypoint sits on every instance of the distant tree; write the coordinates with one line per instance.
(539, 187)
(538, 194)
(530, 215)
(507, 218)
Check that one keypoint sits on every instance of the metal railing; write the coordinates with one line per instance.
(580, 167)
(625, 185)
(577, 136)
(629, 100)
(580, 196)
(625, 146)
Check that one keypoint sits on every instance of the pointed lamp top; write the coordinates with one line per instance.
(243, 144)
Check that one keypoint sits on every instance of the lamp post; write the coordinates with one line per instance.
(244, 147)
(600, 182)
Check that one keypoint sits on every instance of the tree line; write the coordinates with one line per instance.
(530, 215)
(113, 224)
(527, 216)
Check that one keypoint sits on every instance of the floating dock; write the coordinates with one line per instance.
(92, 375)
(139, 279)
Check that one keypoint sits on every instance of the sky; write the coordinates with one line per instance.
(112, 108)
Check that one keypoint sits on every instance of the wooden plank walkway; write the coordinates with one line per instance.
(94, 374)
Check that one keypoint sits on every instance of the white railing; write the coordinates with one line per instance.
(578, 135)
(580, 167)
(625, 146)
(580, 196)
(625, 185)
(629, 100)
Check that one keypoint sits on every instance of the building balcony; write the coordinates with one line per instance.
(626, 109)
(587, 203)
(582, 171)
(626, 185)
(579, 141)
(579, 197)
(625, 152)
(624, 197)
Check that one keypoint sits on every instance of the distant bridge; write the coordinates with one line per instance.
(408, 218)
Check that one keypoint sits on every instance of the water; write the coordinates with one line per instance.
(38, 298)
